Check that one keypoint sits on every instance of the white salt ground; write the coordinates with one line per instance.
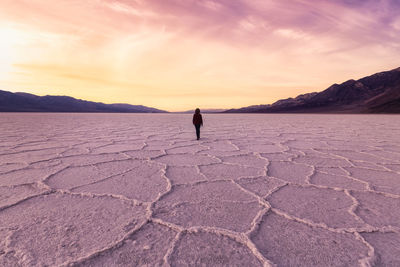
(256, 190)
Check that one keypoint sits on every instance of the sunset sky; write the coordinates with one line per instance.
(181, 54)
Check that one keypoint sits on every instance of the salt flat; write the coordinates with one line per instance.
(256, 190)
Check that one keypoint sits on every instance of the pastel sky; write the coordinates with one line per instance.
(181, 54)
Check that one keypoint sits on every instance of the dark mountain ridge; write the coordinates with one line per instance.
(378, 93)
(24, 102)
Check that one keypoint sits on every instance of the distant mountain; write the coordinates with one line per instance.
(24, 102)
(210, 110)
(378, 93)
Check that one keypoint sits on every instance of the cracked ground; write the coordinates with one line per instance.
(256, 190)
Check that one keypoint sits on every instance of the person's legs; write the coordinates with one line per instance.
(197, 131)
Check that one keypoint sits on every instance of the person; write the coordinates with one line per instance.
(197, 122)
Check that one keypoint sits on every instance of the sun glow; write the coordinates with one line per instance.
(10, 39)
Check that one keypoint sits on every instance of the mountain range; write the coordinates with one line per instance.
(24, 102)
(205, 110)
(378, 93)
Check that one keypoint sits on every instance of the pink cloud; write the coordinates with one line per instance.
(225, 20)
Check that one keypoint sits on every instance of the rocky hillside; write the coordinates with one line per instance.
(378, 93)
(23, 102)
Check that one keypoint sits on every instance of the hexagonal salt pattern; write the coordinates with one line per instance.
(140, 190)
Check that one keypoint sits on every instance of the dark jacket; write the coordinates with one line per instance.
(197, 119)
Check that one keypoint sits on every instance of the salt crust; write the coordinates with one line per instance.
(256, 190)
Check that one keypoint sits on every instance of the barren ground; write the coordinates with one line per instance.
(129, 189)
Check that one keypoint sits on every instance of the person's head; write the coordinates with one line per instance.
(197, 111)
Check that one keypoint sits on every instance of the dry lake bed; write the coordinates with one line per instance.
(255, 190)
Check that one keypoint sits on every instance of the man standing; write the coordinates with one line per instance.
(197, 122)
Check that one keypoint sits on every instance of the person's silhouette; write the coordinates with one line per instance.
(197, 122)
